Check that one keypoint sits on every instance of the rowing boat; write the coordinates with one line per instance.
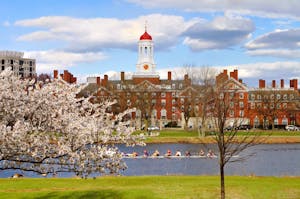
(171, 157)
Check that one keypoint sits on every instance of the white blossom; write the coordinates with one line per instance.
(44, 128)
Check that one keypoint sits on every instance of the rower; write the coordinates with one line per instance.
(187, 153)
(169, 153)
(156, 153)
(146, 154)
(178, 153)
(201, 153)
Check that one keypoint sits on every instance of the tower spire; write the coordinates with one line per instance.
(145, 25)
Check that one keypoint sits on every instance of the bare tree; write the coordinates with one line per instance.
(228, 142)
(203, 81)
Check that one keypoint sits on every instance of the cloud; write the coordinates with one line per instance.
(47, 61)
(280, 43)
(95, 34)
(269, 9)
(221, 32)
(250, 73)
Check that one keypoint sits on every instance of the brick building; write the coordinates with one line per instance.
(161, 101)
(66, 76)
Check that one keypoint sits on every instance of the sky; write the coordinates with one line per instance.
(92, 37)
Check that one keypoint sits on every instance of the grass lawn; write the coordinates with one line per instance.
(147, 187)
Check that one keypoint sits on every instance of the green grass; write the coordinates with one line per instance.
(147, 187)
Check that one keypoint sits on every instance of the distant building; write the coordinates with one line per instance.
(21, 66)
(163, 102)
(66, 76)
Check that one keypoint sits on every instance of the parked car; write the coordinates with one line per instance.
(153, 128)
(244, 127)
(292, 128)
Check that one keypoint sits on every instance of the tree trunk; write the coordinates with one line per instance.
(222, 180)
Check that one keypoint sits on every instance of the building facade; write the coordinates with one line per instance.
(163, 102)
(21, 66)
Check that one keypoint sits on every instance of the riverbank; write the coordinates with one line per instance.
(181, 136)
(152, 187)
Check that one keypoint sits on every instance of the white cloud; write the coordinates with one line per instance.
(94, 34)
(47, 61)
(268, 8)
(221, 32)
(250, 73)
(279, 43)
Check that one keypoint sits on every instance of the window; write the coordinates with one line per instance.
(241, 95)
(163, 94)
(256, 121)
(173, 101)
(231, 113)
(231, 95)
(163, 102)
(173, 86)
(3, 61)
(154, 113)
(241, 104)
(259, 97)
(284, 121)
(272, 96)
(278, 106)
(180, 86)
(173, 94)
(163, 113)
(153, 101)
(285, 96)
(3, 67)
(173, 109)
(182, 100)
(278, 96)
(291, 96)
(276, 121)
(231, 105)
(118, 86)
(221, 96)
(284, 105)
(153, 94)
(252, 97)
(241, 113)
(182, 108)
(128, 102)
(128, 94)
(11, 61)
(145, 94)
(252, 105)
(272, 105)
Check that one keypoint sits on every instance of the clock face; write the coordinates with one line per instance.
(146, 67)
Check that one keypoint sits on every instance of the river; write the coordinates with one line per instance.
(266, 160)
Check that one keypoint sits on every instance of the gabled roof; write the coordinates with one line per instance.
(146, 85)
(233, 84)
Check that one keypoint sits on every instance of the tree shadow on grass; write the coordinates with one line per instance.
(103, 194)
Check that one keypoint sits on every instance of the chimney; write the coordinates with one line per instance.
(282, 83)
(98, 81)
(294, 84)
(169, 75)
(273, 84)
(55, 74)
(234, 74)
(104, 81)
(186, 76)
(262, 83)
(225, 71)
(66, 76)
(122, 76)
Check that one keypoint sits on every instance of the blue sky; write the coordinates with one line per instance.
(92, 37)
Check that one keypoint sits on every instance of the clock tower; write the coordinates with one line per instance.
(145, 66)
